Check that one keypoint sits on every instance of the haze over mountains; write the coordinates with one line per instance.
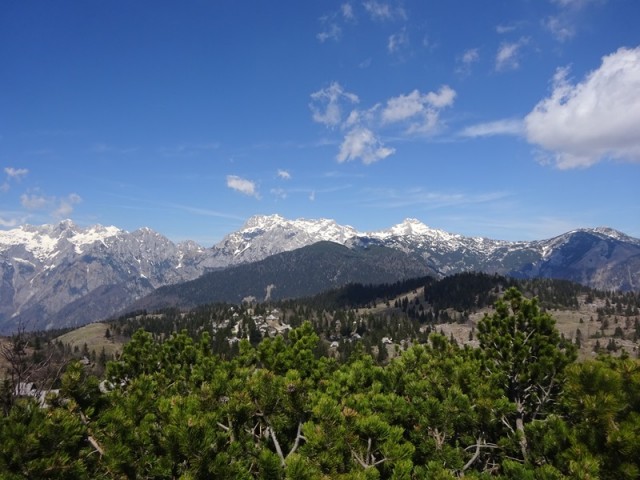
(63, 275)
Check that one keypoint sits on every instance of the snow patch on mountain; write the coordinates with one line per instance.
(44, 242)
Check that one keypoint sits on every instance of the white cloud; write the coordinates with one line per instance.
(326, 106)
(16, 173)
(559, 28)
(397, 41)
(347, 11)
(502, 29)
(470, 56)
(416, 113)
(242, 185)
(383, 11)
(565, 23)
(378, 11)
(361, 143)
(331, 33)
(507, 57)
(34, 201)
(443, 98)
(499, 127)
(284, 174)
(422, 109)
(66, 206)
(403, 107)
(312, 196)
(13, 174)
(57, 207)
(593, 120)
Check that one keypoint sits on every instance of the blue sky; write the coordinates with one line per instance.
(510, 119)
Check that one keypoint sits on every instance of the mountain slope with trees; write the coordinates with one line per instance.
(299, 273)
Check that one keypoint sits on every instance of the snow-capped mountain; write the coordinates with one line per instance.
(445, 252)
(265, 235)
(44, 269)
(64, 275)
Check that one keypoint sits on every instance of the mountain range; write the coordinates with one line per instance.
(63, 275)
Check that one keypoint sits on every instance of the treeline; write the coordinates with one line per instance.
(357, 295)
(517, 407)
(472, 291)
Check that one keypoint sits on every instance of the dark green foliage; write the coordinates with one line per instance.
(38, 443)
(177, 406)
(357, 295)
(333, 265)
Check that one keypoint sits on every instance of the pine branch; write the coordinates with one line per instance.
(370, 459)
(480, 444)
(277, 445)
(94, 443)
(475, 456)
(296, 443)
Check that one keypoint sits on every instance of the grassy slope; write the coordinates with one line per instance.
(93, 335)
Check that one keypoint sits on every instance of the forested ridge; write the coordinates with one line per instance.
(518, 406)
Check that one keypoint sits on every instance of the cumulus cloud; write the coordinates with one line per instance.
(404, 106)
(16, 173)
(442, 98)
(284, 174)
(595, 119)
(421, 109)
(415, 113)
(326, 104)
(508, 56)
(242, 185)
(361, 143)
(499, 127)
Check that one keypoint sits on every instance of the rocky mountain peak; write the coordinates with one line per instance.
(265, 222)
(410, 226)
